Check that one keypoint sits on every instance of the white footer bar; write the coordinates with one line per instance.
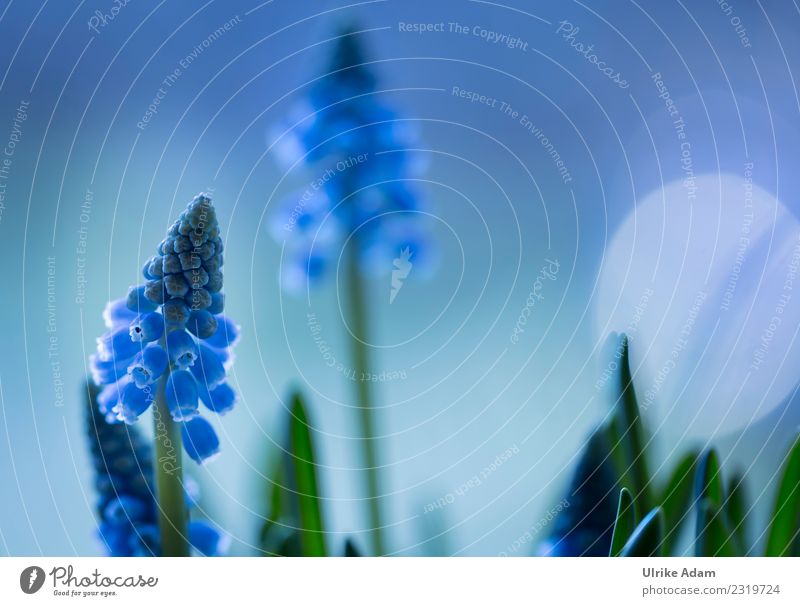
(401, 581)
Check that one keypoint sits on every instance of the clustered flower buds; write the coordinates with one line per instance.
(172, 326)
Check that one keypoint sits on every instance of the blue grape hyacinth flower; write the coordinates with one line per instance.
(366, 163)
(122, 462)
(172, 328)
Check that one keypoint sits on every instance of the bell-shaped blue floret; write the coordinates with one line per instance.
(116, 313)
(209, 369)
(137, 302)
(109, 397)
(226, 335)
(107, 371)
(221, 399)
(133, 403)
(181, 395)
(149, 365)
(206, 539)
(181, 348)
(147, 327)
(200, 441)
(202, 324)
(117, 344)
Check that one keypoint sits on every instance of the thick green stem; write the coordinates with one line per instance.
(358, 325)
(172, 514)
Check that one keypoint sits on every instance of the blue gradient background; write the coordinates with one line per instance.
(503, 209)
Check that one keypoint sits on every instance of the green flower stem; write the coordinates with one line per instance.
(358, 326)
(172, 514)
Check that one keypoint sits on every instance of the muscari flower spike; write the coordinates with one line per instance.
(172, 325)
(122, 461)
(367, 153)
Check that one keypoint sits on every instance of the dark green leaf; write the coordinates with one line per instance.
(647, 539)
(278, 536)
(631, 430)
(714, 536)
(617, 457)
(736, 511)
(676, 498)
(312, 536)
(625, 523)
(708, 490)
(584, 524)
(785, 523)
(294, 521)
(708, 479)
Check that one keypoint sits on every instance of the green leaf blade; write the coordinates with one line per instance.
(625, 523)
(294, 525)
(708, 479)
(784, 527)
(631, 430)
(647, 540)
(676, 498)
(714, 536)
(736, 510)
(312, 537)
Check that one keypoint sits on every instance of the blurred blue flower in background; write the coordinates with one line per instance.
(172, 325)
(364, 205)
(366, 191)
(126, 506)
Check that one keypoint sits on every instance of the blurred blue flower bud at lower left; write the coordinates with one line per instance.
(122, 463)
(126, 508)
